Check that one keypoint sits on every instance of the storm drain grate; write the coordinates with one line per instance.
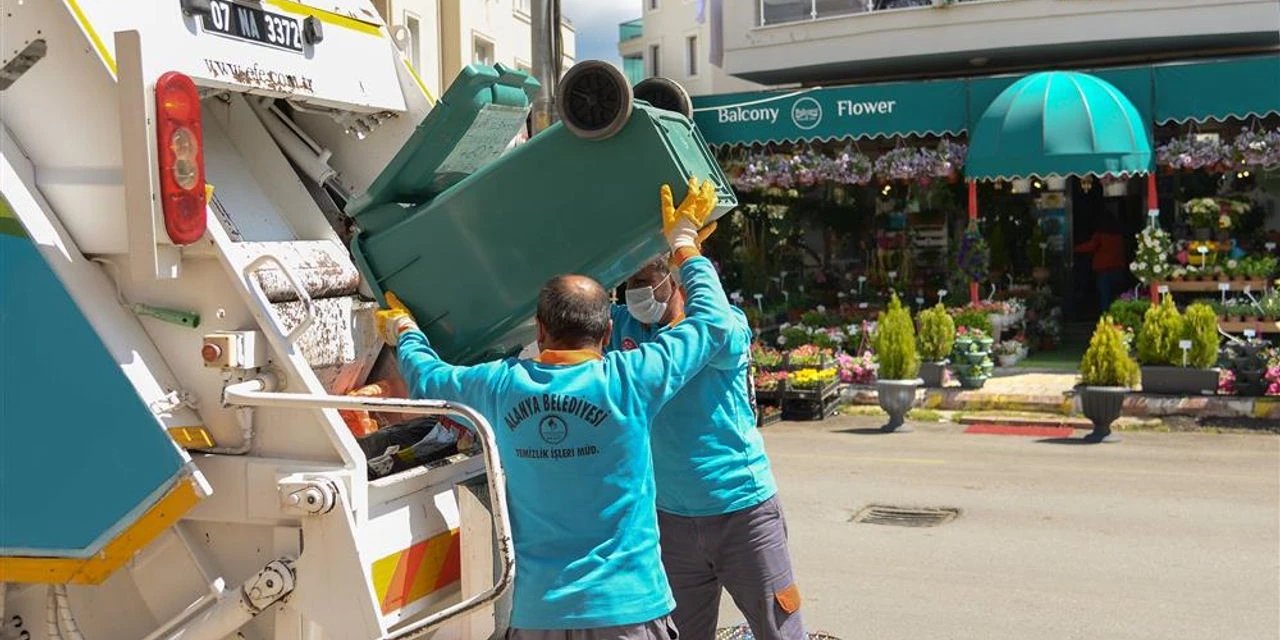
(905, 516)
(743, 632)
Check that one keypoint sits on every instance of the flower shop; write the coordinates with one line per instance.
(979, 194)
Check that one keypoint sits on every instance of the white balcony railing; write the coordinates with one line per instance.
(784, 11)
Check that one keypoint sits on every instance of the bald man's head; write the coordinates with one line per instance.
(573, 312)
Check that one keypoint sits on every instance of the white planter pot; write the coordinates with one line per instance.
(896, 398)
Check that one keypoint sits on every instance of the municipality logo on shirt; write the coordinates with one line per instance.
(806, 113)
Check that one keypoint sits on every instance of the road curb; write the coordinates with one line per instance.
(1137, 405)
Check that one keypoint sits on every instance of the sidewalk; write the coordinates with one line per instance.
(1046, 391)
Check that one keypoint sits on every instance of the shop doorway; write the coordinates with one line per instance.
(1095, 209)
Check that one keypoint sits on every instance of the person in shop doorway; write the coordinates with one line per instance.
(718, 511)
(573, 433)
(1106, 246)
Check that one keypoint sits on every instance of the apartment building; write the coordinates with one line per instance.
(440, 37)
(673, 38)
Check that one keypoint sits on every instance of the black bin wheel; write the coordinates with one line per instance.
(665, 93)
(594, 100)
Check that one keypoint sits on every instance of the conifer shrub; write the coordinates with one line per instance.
(1162, 328)
(1106, 363)
(1202, 330)
(937, 333)
(895, 343)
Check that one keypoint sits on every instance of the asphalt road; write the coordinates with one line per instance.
(1164, 535)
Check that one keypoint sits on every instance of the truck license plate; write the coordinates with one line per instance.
(253, 24)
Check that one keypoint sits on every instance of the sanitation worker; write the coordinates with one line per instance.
(572, 427)
(718, 513)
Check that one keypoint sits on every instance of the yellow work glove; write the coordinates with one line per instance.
(394, 320)
(680, 225)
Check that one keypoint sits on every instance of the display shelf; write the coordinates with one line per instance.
(1210, 286)
(1239, 326)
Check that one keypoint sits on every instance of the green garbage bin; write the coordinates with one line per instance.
(465, 234)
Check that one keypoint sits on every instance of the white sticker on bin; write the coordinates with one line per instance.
(486, 139)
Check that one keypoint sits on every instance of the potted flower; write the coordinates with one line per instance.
(973, 257)
(936, 340)
(1202, 215)
(1106, 375)
(1168, 367)
(1008, 352)
(1151, 261)
(764, 357)
(895, 346)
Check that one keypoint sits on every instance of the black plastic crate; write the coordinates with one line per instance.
(801, 409)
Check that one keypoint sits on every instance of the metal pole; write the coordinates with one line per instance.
(543, 35)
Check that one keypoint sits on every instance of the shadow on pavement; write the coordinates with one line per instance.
(866, 431)
(1066, 441)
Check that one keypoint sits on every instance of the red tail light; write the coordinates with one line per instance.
(180, 151)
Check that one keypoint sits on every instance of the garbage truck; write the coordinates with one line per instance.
(202, 204)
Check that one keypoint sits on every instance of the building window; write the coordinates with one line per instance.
(691, 56)
(415, 40)
(633, 67)
(481, 51)
(655, 65)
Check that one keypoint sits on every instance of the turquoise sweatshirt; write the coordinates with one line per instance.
(708, 456)
(573, 435)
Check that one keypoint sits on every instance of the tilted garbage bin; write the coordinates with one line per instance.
(465, 234)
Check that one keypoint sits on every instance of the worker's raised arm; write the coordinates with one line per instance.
(655, 371)
(425, 374)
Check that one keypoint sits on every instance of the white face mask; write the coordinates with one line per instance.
(644, 306)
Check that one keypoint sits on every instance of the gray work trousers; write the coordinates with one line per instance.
(661, 629)
(746, 553)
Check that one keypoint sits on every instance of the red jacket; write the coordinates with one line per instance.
(1107, 250)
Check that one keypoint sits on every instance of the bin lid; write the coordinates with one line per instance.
(472, 124)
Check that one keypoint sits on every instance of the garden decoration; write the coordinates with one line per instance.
(972, 357)
(1106, 375)
(936, 342)
(895, 347)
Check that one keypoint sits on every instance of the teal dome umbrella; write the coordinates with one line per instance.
(1058, 123)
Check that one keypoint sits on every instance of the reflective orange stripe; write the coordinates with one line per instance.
(414, 573)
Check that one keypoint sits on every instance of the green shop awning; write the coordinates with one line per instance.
(1217, 89)
(863, 111)
(1059, 123)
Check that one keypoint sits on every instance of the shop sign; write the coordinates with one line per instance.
(902, 108)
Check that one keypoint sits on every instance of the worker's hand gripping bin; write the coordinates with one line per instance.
(466, 238)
